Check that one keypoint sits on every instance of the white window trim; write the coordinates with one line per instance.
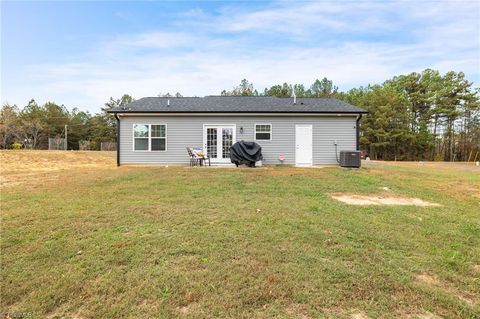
(255, 131)
(149, 138)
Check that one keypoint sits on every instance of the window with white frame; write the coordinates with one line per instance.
(263, 131)
(158, 138)
(149, 137)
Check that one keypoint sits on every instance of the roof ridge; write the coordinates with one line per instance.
(239, 104)
(239, 96)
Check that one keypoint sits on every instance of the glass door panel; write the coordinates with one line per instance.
(212, 139)
(227, 141)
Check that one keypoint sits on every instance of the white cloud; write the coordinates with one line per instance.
(351, 43)
(290, 18)
(151, 40)
(195, 13)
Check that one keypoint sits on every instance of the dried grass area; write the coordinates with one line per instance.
(19, 167)
(363, 200)
(466, 166)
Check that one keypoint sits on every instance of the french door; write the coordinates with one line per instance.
(217, 140)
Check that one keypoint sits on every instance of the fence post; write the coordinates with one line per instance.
(66, 134)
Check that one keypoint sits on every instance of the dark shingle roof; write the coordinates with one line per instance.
(237, 104)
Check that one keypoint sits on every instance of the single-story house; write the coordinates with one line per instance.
(296, 131)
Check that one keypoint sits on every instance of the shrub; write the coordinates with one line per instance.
(16, 146)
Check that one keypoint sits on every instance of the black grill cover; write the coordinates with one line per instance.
(245, 153)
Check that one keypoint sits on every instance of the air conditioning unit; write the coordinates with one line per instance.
(350, 159)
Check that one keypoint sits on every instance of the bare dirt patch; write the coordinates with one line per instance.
(432, 280)
(427, 315)
(297, 310)
(427, 279)
(476, 268)
(409, 313)
(359, 315)
(363, 200)
(186, 309)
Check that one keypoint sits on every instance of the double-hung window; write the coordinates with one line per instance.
(149, 137)
(263, 131)
(140, 136)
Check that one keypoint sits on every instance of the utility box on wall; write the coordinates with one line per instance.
(350, 159)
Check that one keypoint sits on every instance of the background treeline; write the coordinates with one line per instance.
(419, 116)
(31, 126)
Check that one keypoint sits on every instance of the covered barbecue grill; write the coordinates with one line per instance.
(245, 153)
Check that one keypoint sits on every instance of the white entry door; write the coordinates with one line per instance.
(303, 145)
(217, 140)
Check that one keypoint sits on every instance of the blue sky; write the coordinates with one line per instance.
(81, 53)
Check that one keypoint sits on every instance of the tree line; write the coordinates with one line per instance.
(418, 116)
(31, 126)
(319, 88)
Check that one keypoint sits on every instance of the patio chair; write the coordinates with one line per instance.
(201, 155)
(205, 158)
(194, 160)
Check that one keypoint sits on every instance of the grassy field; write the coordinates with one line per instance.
(81, 238)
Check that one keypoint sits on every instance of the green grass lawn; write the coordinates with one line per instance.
(155, 242)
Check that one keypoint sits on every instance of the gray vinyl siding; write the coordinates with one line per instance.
(183, 131)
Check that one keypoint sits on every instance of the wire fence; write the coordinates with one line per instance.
(57, 143)
(108, 146)
(84, 145)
